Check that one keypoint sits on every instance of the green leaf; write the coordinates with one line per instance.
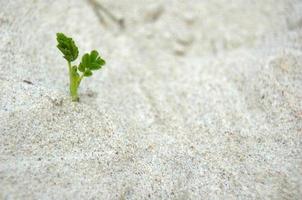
(67, 46)
(91, 61)
(74, 72)
(87, 73)
(85, 62)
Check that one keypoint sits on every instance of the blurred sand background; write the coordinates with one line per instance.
(198, 100)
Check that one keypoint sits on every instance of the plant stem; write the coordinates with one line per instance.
(74, 84)
(80, 79)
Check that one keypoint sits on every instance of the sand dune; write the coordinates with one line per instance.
(198, 100)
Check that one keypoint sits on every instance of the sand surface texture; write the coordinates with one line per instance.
(198, 100)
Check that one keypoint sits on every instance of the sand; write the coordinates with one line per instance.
(198, 100)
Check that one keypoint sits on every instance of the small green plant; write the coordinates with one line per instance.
(90, 61)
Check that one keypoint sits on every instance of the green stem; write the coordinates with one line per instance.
(74, 83)
(80, 79)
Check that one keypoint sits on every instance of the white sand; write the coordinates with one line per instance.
(198, 100)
